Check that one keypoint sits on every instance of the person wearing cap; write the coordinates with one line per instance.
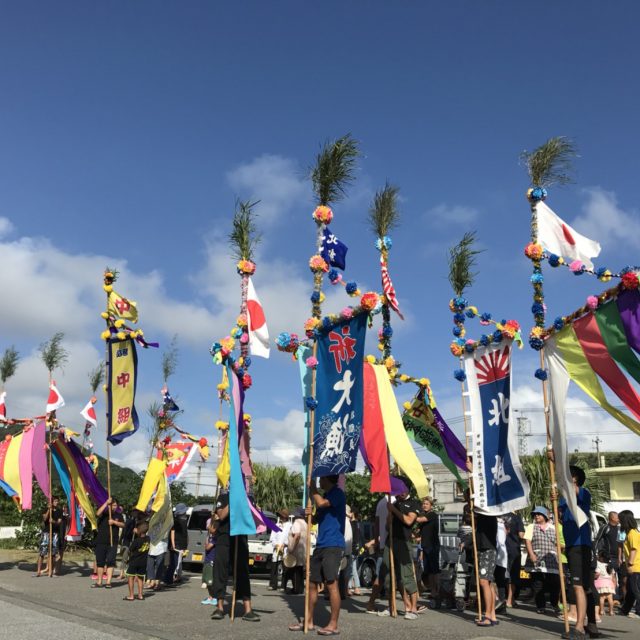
(578, 551)
(540, 540)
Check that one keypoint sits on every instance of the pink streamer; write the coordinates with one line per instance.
(39, 457)
(24, 461)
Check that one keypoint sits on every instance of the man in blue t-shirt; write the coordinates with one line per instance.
(325, 562)
(577, 541)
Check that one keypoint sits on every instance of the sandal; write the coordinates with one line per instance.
(95, 585)
(218, 614)
(485, 622)
(328, 632)
(139, 597)
(299, 626)
(107, 586)
(128, 599)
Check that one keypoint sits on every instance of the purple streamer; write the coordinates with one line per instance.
(629, 307)
(455, 449)
(91, 483)
(39, 456)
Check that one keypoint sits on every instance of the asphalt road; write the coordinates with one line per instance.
(67, 608)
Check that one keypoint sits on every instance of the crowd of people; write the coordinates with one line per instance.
(598, 573)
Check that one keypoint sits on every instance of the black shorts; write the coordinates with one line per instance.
(579, 563)
(137, 568)
(431, 561)
(325, 564)
(106, 555)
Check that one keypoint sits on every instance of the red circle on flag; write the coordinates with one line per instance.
(256, 315)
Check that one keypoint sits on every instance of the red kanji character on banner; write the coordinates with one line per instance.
(342, 347)
(123, 379)
(123, 415)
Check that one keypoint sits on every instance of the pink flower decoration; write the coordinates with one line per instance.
(311, 362)
(469, 341)
(592, 302)
(576, 265)
(337, 280)
(244, 338)
(347, 312)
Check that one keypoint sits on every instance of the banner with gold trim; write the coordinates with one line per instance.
(122, 419)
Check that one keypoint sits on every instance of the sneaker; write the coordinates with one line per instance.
(203, 585)
(410, 615)
(252, 616)
(632, 614)
(385, 613)
(209, 601)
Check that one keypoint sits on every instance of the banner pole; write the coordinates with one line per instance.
(312, 421)
(471, 501)
(232, 615)
(393, 608)
(106, 377)
(554, 497)
(50, 564)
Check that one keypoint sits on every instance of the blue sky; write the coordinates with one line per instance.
(127, 130)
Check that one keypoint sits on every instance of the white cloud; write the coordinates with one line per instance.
(445, 214)
(279, 441)
(605, 221)
(6, 227)
(277, 182)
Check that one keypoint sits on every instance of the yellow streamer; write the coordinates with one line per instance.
(152, 477)
(224, 468)
(12, 465)
(398, 441)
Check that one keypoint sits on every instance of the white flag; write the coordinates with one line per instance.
(258, 331)
(556, 236)
(559, 386)
(55, 399)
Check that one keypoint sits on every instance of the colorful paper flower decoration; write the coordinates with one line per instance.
(246, 267)
(533, 251)
(369, 300)
(323, 215)
(317, 264)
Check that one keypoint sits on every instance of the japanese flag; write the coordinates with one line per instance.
(3, 407)
(258, 332)
(556, 236)
(89, 413)
(55, 400)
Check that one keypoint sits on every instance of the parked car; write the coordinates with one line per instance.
(260, 549)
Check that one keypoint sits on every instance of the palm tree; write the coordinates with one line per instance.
(462, 259)
(53, 354)
(384, 216)
(8, 365)
(275, 487)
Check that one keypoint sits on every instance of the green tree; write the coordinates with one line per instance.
(359, 496)
(275, 487)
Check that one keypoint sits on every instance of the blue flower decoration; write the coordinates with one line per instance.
(485, 317)
(459, 342)
(458, 317)
(315, 297)
(541, 374)
(283, 340)
(457, 331)
(537, 308)
(470, 313)
(537, 278)
(554, 260)
(469, 347)
(600, 272)
(333, 275)
(484, 340)
(558, 323)
(240, 372)
(351, 287)
(538, 193)
(387, 331)
(327, 323)
(580, 271)
(536, 343)
(497, 336)
(460, 303)
(459, 374)
(247, 362)
(627, 269)
(311, 403)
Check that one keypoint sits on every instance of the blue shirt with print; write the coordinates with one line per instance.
(575, 536)
(331, 520)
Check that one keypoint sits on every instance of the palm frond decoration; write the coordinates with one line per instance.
(384, 214)
(111, 274)
(244, 237)
(53, 354)
(551, 162)
(9, 363)
(334, 169)
(170, 359)
(96, 377)
(462, 259)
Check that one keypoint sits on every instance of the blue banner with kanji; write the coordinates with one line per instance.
(499, 483)
(122, 419)
(339, 388)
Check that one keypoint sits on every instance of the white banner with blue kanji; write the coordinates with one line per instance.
(499, 483)
(339, 387)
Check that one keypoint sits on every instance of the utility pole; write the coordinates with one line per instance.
(597, 442)
(524, 430)
(197, 492)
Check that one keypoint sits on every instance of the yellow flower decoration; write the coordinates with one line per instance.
(380, 346)
(121, 335)
(221, 425)
(406, 405)
(390, 362)
(104, 315)
(119, 323)
(404, 377)
(107, 287)
(105, 335)
(424, 382)
(371, 359)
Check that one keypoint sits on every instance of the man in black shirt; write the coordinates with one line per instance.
(486, 542)
(429, 522)
(54, 526)
(226, 547)
(110, 521)
(515, 534)
(402, 516)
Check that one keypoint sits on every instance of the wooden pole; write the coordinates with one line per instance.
(235, 579)
(50, 564)
(554, 498)
(106, 377)
(471, 501)
(309, 474)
